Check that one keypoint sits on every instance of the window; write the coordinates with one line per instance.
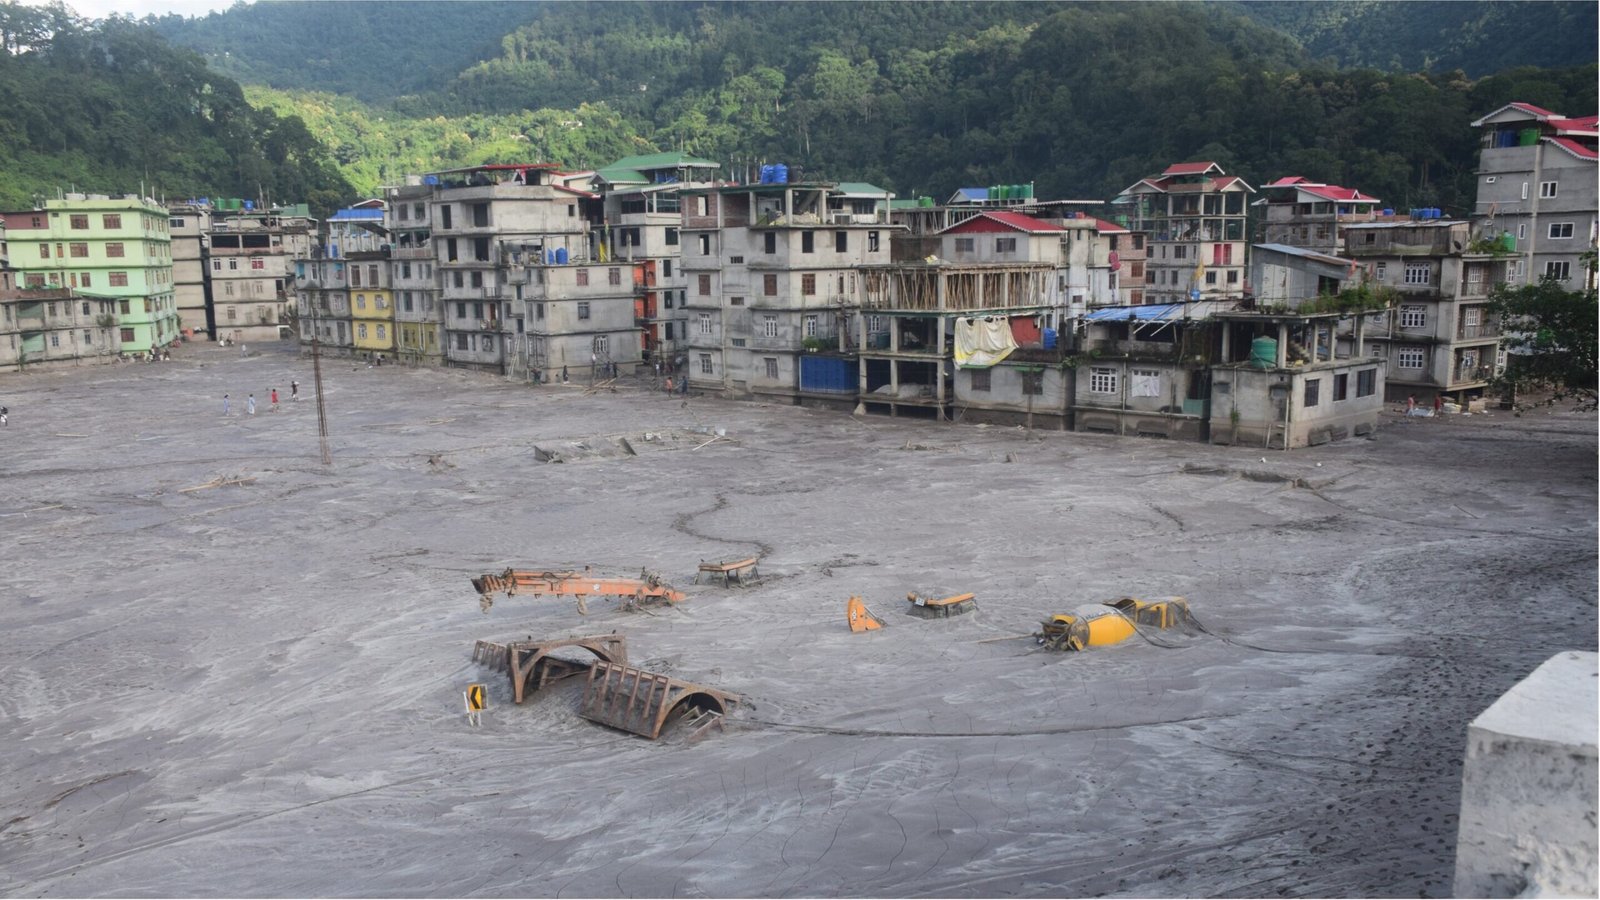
(361, 301)
(735, 301)
(1471, 316)
(119, 279)
(1313, 391)
(113, 249)
(705, 364)
(964, 245)
(811, 326)
(841, 241)
(704, 285)
(735, 260)
(872, 242)
(79, 222)
(79, 250)
(127, 335)
(702, 206)
(1408, 358)
(614, 276)
(666, 268)
(808, 242)
(1233, 276)
(1180, 252)
(461, 342)
(475, 279)
(769, 326)
(1366, 382)
(88, 337)
(1102, 380)
(86, 307)
(1341, 387)
(44, 251)
(1211, 276)
(808, 285)
(1547, 190)
(1560, 230)
(769, 285)
(772, 367)
(538, 310)
(583, 277)
(705, 245)
(1413, 317)
(112, 220)
(259, 263)
(583, 309)
(672, 237)
(1419, 273)
(1522, 231)
(705, 323)
(1144, 382)
(981, 379)
(1005, 245)
(1561, 271)
(769, 243)
(1032, 380)
(666, 297)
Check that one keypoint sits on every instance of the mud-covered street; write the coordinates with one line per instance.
(230, 670)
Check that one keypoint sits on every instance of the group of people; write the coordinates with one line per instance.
(250, 401)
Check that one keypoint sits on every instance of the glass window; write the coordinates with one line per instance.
(1102, 380)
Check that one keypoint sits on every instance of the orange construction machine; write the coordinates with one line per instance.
(647, 589)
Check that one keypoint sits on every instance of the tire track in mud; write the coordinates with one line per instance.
(681, 524)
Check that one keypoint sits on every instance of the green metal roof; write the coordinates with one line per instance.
(860, 187)
(628, 170)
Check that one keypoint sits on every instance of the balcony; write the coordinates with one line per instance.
(1470, 332)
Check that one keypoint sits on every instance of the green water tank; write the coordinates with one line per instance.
(1508, 242)
(1263, 353)
(1527, 137)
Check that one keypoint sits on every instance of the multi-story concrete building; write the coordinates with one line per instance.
(117, 249)
(1193, 216)
(643, 216)
(973, 332)
(1537, 183)
(1303, 213)
(371, 303)
(1441, 338)
(251, 253)
(487, 224)
(54, 326)
(411, 276)
(323, 280)
(190, 226)
(772, 277)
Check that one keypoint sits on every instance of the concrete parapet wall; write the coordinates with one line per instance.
(1528, 789)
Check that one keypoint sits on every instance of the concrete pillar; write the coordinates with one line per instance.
(1227, 335)
(1528, 788)
(1283, 345)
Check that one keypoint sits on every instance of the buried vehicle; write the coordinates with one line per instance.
(1112, 622)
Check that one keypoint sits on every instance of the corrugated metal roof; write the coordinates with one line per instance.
(1191, 168)
(1306, 254)
(1001, 220)
(1573, 147)
(861, 188)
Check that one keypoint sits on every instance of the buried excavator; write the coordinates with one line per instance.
(645, 590)
(1114, 621)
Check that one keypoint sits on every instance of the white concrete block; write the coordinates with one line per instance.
(1529, 787)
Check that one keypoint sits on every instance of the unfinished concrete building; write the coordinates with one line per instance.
(1442, 338)
(1193, 215)
(1299, 212)
(644, 218)
(250, 254)
(772, 282)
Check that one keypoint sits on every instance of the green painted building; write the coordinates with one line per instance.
(99, 247)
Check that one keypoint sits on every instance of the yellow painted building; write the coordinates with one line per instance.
(372, 316)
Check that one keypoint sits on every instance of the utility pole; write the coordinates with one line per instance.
(316, 360)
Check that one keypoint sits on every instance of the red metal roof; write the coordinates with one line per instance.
(1536, 110)
(1576, 149)
(1000, 220)
(1339, 194)
(1289, 181)
(1104, 227)
(1585, 125)
(1191, 168)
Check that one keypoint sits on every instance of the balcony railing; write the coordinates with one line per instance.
(1478, 331)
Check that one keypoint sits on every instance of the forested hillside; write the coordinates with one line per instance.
(1079, 98)
(1479, 38)
(107, 107)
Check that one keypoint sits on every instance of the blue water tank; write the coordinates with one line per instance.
(549, 257)
(780, 174)
(1388, 212)
(430, 179)
(766, 174)
(250, 204)
(561, 256)
(1049, 338)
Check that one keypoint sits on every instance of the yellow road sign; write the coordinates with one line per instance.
(476, 699)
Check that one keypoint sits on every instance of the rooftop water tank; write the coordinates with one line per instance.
(561, 256)
(1263, 353)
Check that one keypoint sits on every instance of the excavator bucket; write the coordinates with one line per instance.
(861, 618)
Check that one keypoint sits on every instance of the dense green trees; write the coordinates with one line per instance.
(920, 97)
(110, 106)
(1553, 335)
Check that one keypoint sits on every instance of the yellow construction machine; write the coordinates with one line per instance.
(1112, 622)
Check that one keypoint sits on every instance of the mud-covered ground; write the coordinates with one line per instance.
(254, 689)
